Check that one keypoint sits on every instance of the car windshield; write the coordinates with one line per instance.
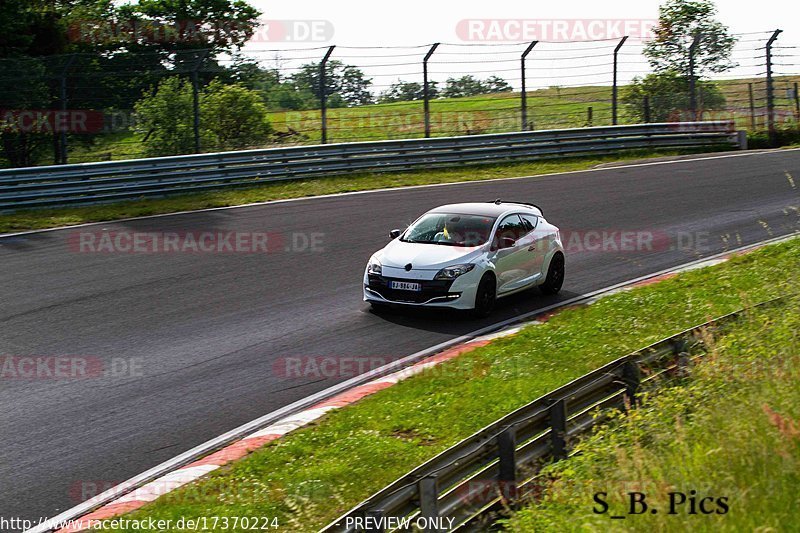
(450, 229)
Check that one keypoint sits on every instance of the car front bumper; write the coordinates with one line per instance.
(456, 294)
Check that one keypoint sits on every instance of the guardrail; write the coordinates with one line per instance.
(488, 469)
(125, 180)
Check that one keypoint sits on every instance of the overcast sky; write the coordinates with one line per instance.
(505, 24)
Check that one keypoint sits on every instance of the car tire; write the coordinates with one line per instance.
(485, 297)
(555, 275)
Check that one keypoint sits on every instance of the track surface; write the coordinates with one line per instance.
(208, 328)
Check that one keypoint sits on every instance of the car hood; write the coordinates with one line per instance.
(426, 256)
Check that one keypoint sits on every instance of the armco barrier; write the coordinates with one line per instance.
(124, 180)
(501, 459)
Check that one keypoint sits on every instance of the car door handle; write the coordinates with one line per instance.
(532, 247)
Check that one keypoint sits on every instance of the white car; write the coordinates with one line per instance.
(465, 256)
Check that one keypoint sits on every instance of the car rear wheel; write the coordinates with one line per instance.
(555, 276)
(485, 297)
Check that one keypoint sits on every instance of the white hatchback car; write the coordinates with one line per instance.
(465, 256)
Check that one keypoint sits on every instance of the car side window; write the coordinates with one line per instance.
(531, 221)
(510, 229)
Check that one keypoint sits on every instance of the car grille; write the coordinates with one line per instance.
(430, 289)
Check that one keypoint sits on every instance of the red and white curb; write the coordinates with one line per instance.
(131, 498)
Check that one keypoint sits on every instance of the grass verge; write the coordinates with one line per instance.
(315, 474)
(34, 219)
(730, 432)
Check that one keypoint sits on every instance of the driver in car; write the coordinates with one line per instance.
(448, 233)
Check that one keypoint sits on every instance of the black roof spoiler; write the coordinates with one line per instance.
(499, 201)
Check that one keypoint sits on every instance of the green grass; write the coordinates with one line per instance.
(315, 474)
(731, 430)
(49, 218)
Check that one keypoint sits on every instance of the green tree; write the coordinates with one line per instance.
(679, 21)
(464, 86)
(233, 117)
(496, 84)
(346, 81)
(165, 117)
(406, 91)
(668, 97)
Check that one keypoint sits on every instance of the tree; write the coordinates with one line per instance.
(496, 84)
(406, 91)
(346, 81)
(679, 21)
(668, 97)
(233, 116)
(464, 86)
(165, 117)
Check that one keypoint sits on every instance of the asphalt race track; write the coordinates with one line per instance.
(204, 331)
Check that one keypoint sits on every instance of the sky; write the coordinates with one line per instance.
(495, 32)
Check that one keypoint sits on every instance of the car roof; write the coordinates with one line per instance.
(492, 209)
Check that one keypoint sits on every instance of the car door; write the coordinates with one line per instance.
(510, 259)
(538, 243)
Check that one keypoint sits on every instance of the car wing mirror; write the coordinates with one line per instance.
(395, 233)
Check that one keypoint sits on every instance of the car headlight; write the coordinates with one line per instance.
(374, 267)
(452, 272)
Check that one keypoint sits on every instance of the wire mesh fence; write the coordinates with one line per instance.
(83, 107)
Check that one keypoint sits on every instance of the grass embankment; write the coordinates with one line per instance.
(314, 474)
(732, 431)
(49, 218)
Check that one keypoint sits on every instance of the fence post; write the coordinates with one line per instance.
(646, 105)
(524, 94)
(507, 463)
(323, 97)
(61, 152)
(752, 107)
(558, 428)
(692, 77)
(773, 141)
(796, 106)
(196, 98)
(589, 116)
(614, 86)
(428, 497)
(426, 90)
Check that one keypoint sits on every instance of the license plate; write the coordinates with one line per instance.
(405, 286)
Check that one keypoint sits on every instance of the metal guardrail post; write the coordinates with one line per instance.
(558, 428)
(507, 449)
(692, 77)
(524, 93)
(428, 497)
(323, 96)
(773, 137)
(632, 376)
(426, 90)
(614, 86)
